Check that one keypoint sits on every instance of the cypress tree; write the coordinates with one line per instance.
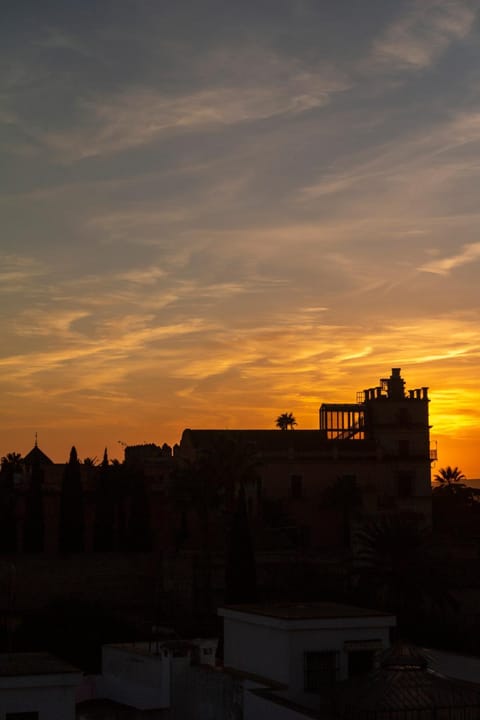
(104, 508)
(240, 572)
(72, 523)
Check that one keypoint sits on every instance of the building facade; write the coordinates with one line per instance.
(367, 459)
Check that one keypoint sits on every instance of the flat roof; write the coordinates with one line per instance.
(152, 648)
(33, 663)
(306, 611)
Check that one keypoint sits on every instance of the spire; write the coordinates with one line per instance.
(36, 440)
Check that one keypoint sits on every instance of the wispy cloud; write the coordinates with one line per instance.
(417, 39)
(16, 271)
(141, 114)
(229, 219)
(443, 266)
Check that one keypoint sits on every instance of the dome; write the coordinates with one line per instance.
(404, 687)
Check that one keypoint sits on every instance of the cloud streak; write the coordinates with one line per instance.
(443, 266)
(141, 115)
(418, 38)
(224, 215)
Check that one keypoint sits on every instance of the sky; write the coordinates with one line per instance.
(213, 212)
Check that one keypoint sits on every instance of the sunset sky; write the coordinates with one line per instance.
(215, 212)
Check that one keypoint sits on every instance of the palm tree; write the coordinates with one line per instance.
(286, 421)
(450, 480)
(395, 568)
(12, 461)
(12, 466)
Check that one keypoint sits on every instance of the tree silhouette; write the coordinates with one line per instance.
(119, 480)
(71, 507)
(396, 572)
(286, 421)
(455, 506)
(240, 573)
(192, 489)
(103, 528)
(12, 462)
(450, 480)
(90, 462)
(208, 485)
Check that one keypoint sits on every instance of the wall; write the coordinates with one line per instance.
(52, 703)
(274, 649)
(203, 693)
(135, 678)
(256, 649)
(305, 641)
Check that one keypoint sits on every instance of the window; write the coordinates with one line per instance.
(360, 662)
(320, 670)
(296, 487)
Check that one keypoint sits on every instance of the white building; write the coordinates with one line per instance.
(141, 677)
(297, 652)
(286, 661)
(37, 686)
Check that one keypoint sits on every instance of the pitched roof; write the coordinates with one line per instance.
(37, 457)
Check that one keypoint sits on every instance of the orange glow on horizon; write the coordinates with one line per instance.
(123, 420)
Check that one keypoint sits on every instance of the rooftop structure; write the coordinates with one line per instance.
(303, 645)
(405, 687)
(37, 685)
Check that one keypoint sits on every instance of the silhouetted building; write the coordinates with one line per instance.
(368, 458)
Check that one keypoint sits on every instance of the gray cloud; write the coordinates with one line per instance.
(189, 198)
(417, 38)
